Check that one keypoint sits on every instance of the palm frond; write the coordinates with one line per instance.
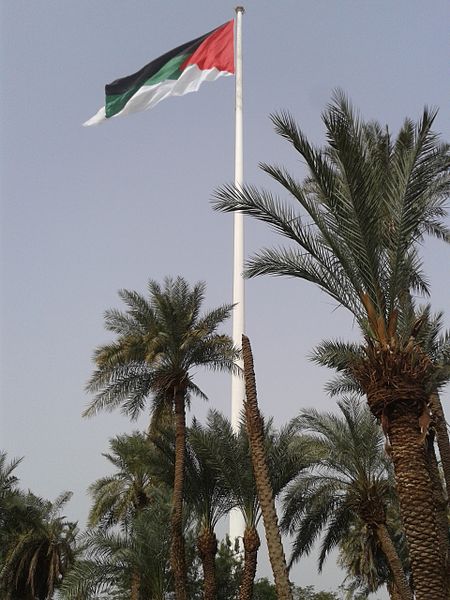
(357, 220)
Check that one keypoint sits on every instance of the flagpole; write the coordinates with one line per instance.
(237, 382)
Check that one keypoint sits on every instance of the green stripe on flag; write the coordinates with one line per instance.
(170, 71)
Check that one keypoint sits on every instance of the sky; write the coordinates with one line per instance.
(88, 211)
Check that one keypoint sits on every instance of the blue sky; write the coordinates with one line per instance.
(85, 212)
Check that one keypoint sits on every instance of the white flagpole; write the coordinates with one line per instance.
(237, 383)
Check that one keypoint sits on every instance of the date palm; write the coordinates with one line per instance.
(160, 341)
(38, 556)
(17, 515)
(119, 498)
(124, 564)
(8, 480)
(366, 205)
(436, 344)
(362, 558)
(348, 486)
(129, 489)
(255, 430)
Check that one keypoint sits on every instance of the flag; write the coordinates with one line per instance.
(178, 72)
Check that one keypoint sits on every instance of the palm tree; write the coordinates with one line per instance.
(349, 486)
(361, 556)
(124, 564)
(208, 500)
(130, 563)
(225, 449)
(119, 496)
(369, 201)
(437, 347)
(255, 430)
(160, 340)
(233, 449)
(38, 557)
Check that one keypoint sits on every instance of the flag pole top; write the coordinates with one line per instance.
(239, 9)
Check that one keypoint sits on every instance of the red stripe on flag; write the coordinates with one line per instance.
(217, 50)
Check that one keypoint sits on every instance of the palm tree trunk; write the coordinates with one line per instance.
(177, 557)
(394, 594)
(255, 430)
(251, 547)
(442, 437)
(417, 504)
(403, 590)
(135, 586)
(440, 503)
(207, 549)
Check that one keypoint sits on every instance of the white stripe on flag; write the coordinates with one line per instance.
(149, 96)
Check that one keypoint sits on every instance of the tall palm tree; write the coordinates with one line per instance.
(367, 203)
(129, 489)
(255, 430)
(348, 486)
(160, 341)
(436, 345)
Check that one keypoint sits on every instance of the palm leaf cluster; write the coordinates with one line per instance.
(118, 496)
(350, 477)
(367, 202)
(159, 341)
(116, 562)
(347, 495)
(38, 544)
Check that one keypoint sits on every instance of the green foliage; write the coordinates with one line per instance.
(117, 497)
(39, 547)
(308, 593)
(226, 448)
(265, 590)
(12, 505)
(229, 568)
(363, 560)
(111, 559)
(207, 497)
(231, 449)
(354, 225)
(159, 341)
(347, 491)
